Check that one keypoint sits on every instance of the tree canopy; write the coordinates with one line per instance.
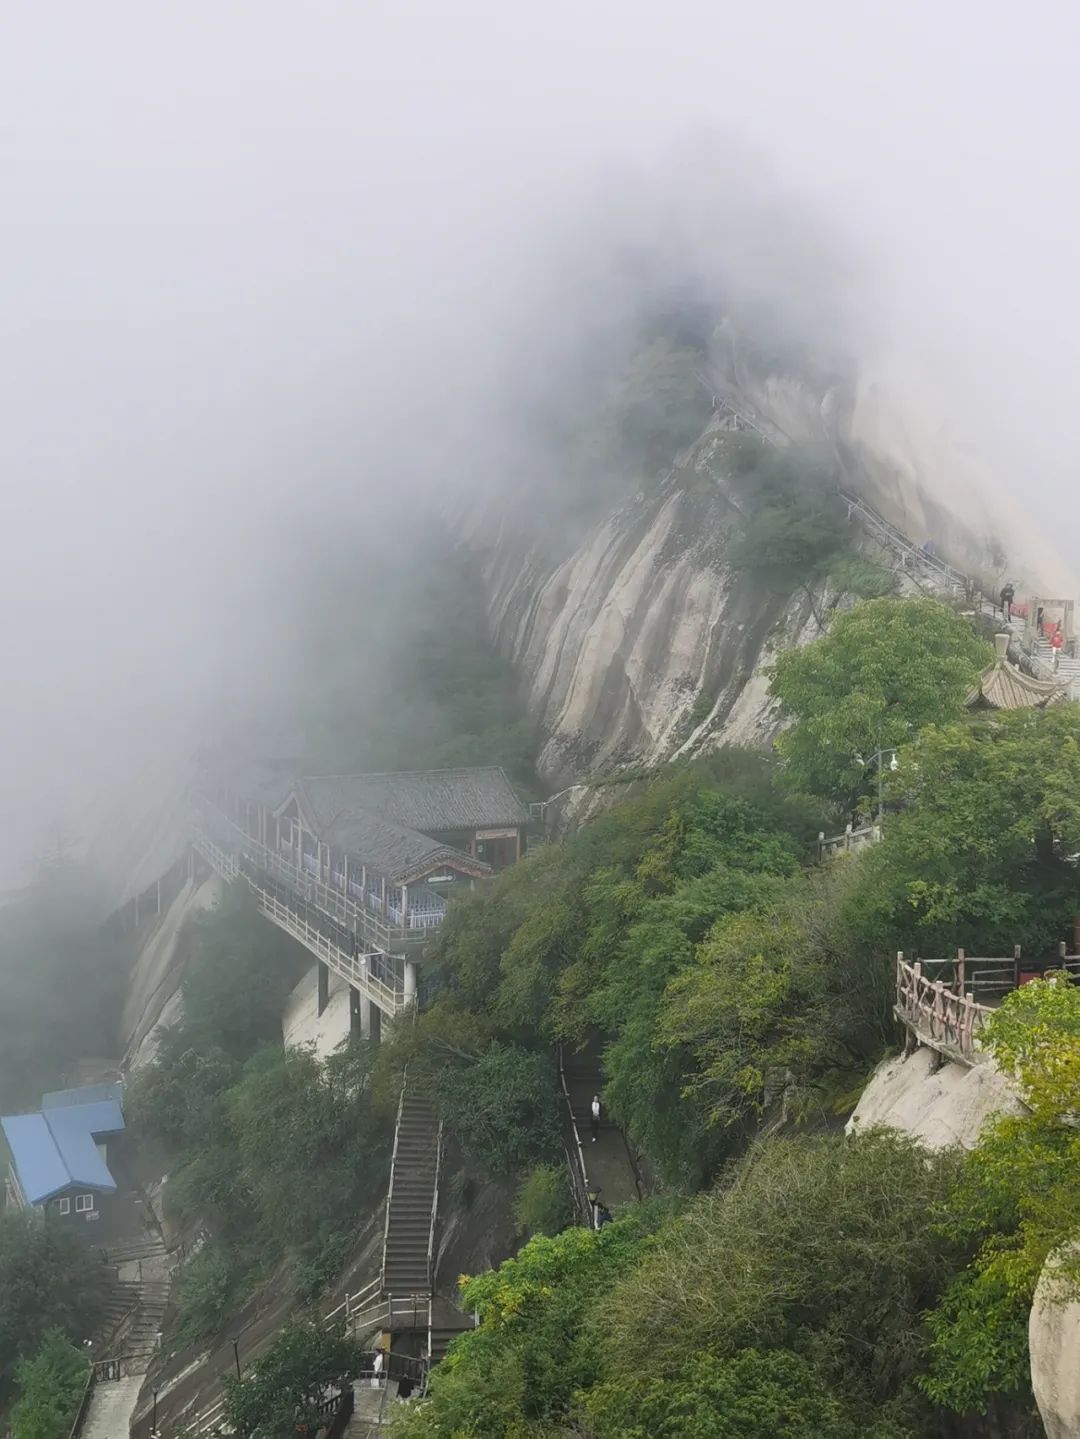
(49, 1281)
(1014, 1201)
(981, 853)
(885, 670)
(50, 1386)
(281, 1391)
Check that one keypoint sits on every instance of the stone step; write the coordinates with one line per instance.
(111, 1407)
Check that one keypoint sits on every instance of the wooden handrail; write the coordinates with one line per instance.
(948, 1021)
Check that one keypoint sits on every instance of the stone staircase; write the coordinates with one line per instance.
(111, 1407)
(138, 1298)
(414, 1181)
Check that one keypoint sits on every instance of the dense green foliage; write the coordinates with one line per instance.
(791, 1295)
(775, 1395)
(885, 670)
(272, 1151)
(793, 533)
(279, 1395)
(498, 1107)
(841, 1287)
(781, 1002)
(543, 1202)
(61, 982)
(1015, 1199)
(519, 1371)
(48, 1281)
(585, 939)
(980, 857)
(51, 1385)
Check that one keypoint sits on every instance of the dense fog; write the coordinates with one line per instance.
(277, 276)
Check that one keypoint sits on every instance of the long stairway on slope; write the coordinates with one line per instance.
(413, 1186)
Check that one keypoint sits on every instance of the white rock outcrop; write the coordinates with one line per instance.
(1054, 1343)
(939, 1103)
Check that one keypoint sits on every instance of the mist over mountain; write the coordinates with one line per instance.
(272, 283)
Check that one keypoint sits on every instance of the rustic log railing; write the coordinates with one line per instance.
(947, 1021)
(946, 1002)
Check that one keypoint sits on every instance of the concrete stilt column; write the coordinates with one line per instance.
(410, 981)
(356, 1020)
(324, 984)
(374, 1013)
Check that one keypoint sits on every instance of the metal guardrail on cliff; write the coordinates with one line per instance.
(575, 1155)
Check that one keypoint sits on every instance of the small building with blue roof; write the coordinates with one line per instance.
(60, 1158)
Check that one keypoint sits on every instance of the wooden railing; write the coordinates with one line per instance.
(947, 1021)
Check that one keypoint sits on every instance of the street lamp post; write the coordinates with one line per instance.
(878, 760)
(236, 1355)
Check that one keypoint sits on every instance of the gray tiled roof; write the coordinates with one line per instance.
(1005, 687)
(431, 800)
(393, 849)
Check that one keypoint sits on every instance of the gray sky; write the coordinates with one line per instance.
(248, 246)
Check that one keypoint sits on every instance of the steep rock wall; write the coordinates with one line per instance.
(643, 643)
(645, 640)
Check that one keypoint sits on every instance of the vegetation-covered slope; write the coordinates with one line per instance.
(838, 1285)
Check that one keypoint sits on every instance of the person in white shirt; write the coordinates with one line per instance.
(595, 1112)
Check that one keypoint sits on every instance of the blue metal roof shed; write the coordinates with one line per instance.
(56, 1149)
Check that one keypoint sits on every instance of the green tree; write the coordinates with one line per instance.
(518, 1372)
(1014, 1202)
(980, 856)
(817, 1246)
(885, 670)
(781, 1007)
(48, 1280)
(308, 1142)
(281, 1391)
(50, 1389)
(502, 1107)
(753, 1395)
(542, 1204)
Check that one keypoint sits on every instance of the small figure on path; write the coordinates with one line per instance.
(1008, 594)
(595, 1116)
(377, 1369)
(1057, 640)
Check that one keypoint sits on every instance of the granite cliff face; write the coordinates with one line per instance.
(644, 642)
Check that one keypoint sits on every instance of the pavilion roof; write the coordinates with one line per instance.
(1004, 686)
